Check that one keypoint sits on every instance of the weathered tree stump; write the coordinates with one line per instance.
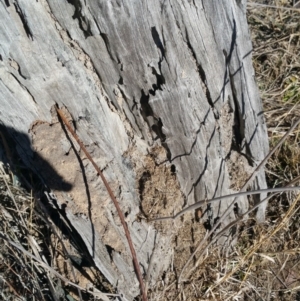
(163, 96)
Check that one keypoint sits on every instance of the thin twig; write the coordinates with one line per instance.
(113, 198)
(228, 196)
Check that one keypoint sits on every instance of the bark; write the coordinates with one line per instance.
(163, 95)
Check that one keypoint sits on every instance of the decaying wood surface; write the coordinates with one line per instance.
(163, 96)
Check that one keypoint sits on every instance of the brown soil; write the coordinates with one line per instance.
(160, 196)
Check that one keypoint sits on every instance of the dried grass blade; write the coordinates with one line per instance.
(51, 270)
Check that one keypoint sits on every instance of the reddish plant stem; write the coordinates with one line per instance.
(112, 196)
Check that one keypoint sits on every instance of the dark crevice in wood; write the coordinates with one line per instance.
(160, 80)
(106, 41)
(146, 176)
(238, 129)
(110, 102)
(200, 71)
(192, 233)
(18, 79)
(232, 44)
(24, 87)
(227, 62)
(157, 41)
(238, 125)
(134, 103)
(192, 146)
(155, 123)
(205, 164)
(24, 21)
(248, 153)
(83, 22)
(107, 45)
(60, 219)
(157, 129)
(110, 251)
(146, 109)
(203, 78)
(121, 82)
(127, 103)
(236, 209)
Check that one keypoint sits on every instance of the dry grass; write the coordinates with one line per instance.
(37, 260)
(265, 262)
(19, 278)
(276, 43)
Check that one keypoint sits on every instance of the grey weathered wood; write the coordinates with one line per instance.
(139, 73)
